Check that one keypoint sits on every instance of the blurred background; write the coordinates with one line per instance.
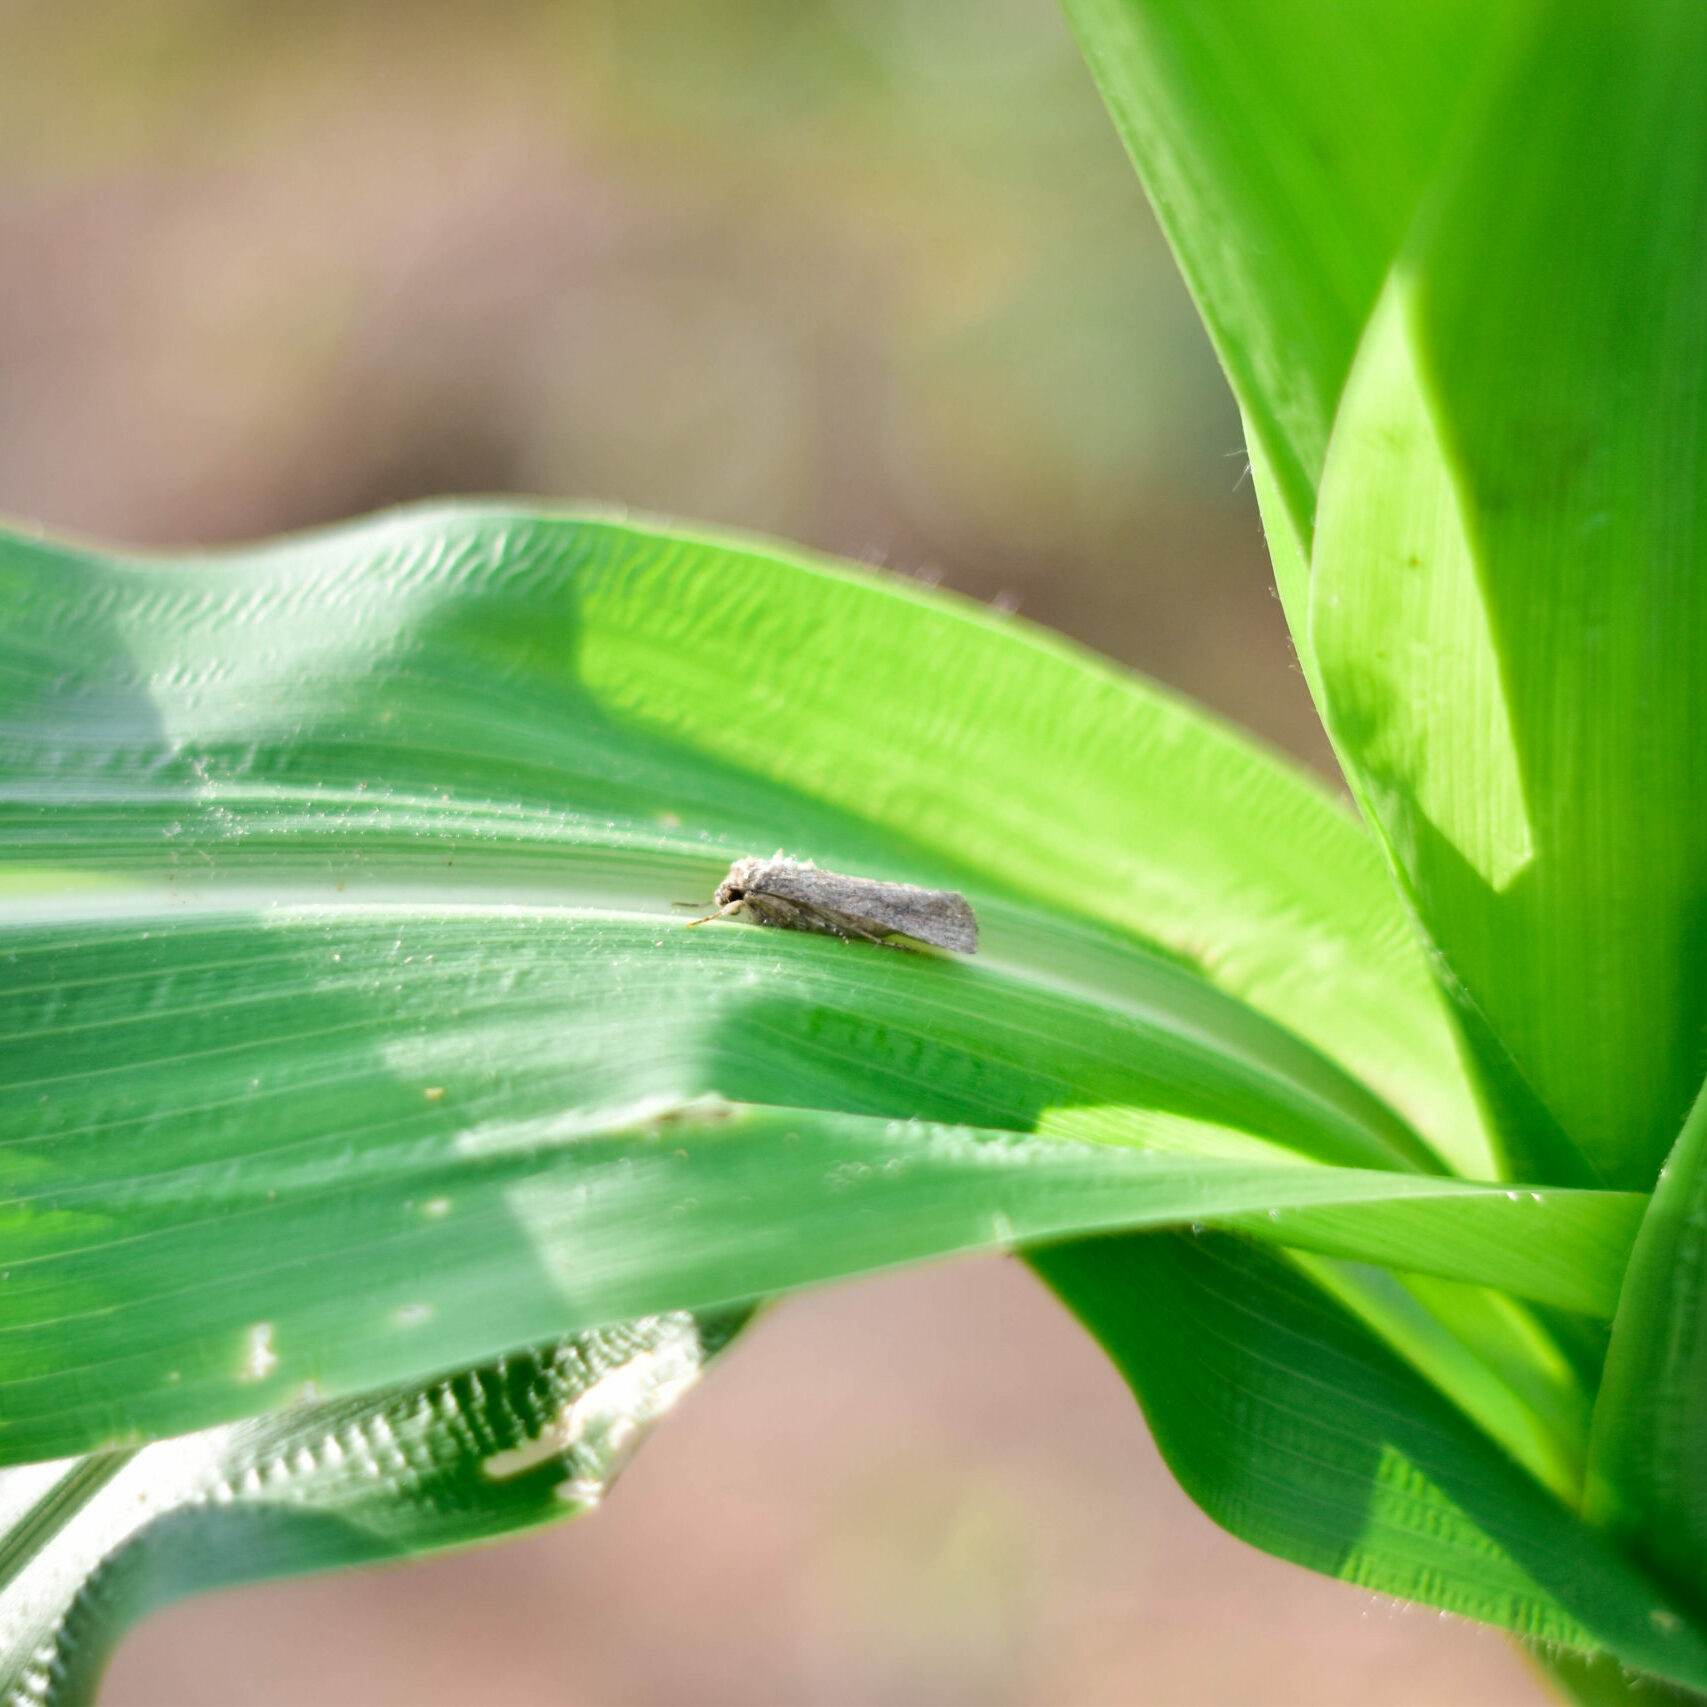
(872, 275)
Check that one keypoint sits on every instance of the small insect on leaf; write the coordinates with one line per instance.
(797, 896)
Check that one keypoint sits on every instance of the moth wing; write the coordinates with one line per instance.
(944, 920)
(939, 917)
(864, 906)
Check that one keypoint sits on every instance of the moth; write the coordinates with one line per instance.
(797, 896)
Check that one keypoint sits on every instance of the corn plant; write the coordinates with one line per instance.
(384, 1152)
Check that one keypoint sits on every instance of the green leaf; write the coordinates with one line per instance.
(1297, 1430)
(1509, 596)
(352, 1037)
(445, 702)
(1493, 706)
(1600, 1680)
(1648, 1458)
(92, 1544)
(1285, 149)
(188, 1273)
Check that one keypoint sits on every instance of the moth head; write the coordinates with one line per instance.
(734, 886)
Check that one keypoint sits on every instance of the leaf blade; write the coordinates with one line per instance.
(498, 686)
(92, 1544)
(1285, 151)
(1543, 369)
(491, 1125)
(1333, 1454)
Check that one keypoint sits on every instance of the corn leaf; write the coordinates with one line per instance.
(1508, 599)
(92, 1544)
(1294, 1428)
(1285, 149)
(353, 1037)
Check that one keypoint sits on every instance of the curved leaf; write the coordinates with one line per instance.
(445, 702)
(195, 1276)
(92, 1544)
(1299, 1432)
(336, 908)
(1286, 149)
(1509, 601)
(1648, 1458)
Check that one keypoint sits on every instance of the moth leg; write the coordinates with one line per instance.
(852, 930)
(900, 940)
(847, 927)
(721, 913)
(784, 915)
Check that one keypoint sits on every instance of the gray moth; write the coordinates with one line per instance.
(798, 896)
